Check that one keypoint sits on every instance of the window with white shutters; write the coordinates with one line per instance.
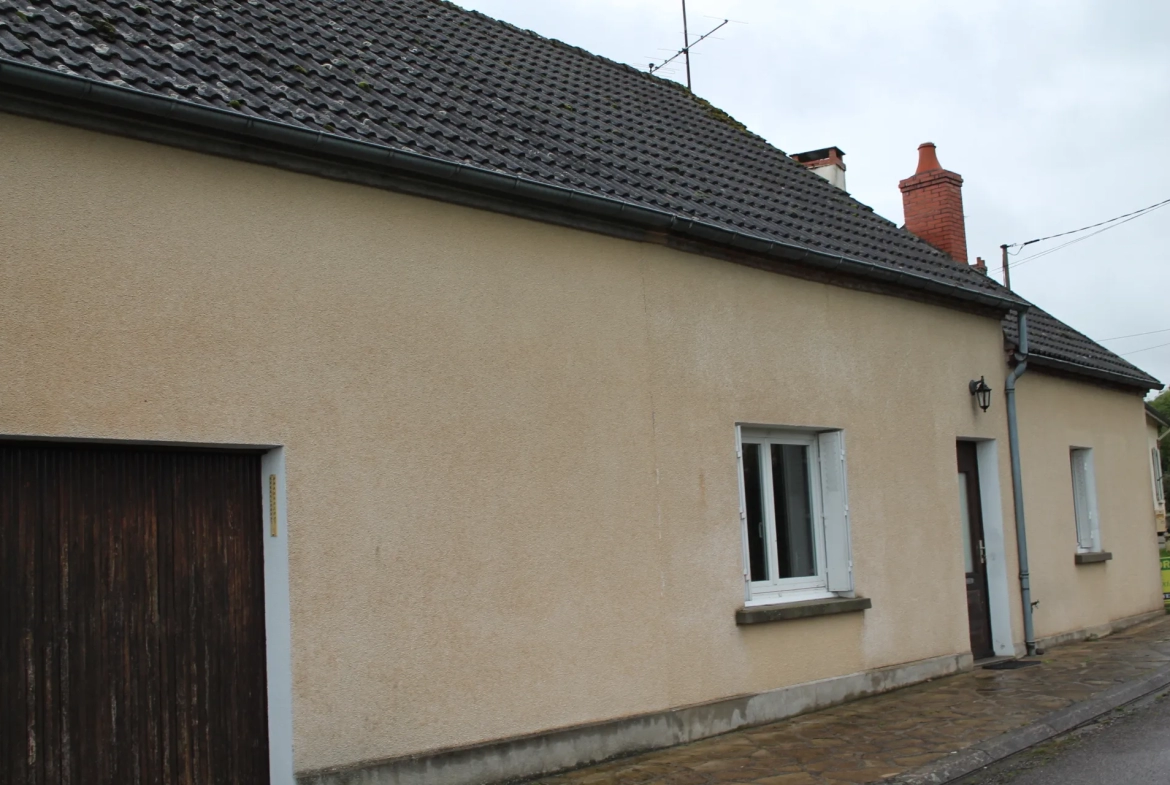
(1159, 489)
(794, 514)
(1085, 500)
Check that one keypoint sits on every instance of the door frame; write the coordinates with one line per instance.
(975, 552)
(277, 617)
(277, 607)
(991, 500)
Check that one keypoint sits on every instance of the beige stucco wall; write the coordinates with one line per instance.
(512, 484)
(1055, 415)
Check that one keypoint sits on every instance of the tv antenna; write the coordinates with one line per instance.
(685, 52)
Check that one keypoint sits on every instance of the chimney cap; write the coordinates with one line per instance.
(927, 158)
(823, 154)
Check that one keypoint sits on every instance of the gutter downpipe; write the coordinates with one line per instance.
(1009, 388)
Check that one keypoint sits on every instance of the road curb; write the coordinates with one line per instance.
(963, 762)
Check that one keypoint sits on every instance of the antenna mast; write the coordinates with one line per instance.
(685, 52)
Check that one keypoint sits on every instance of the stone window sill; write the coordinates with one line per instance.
(1094, 558)
(762, 614)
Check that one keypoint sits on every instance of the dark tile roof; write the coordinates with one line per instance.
(1054, 344)
(434, 79)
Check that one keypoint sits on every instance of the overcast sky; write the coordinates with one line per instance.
(1055, 112)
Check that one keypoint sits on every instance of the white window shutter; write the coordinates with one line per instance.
(835, 511)
(1159, 492)
(747, 576)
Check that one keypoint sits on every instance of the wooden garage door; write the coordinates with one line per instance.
(131, 616)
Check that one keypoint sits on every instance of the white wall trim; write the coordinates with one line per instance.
(277, 619)
(998, 594)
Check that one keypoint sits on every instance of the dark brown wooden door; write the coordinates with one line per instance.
(131, 617)
(974, 552)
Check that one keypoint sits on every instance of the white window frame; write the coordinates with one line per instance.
(820, 461)
(1084, 483)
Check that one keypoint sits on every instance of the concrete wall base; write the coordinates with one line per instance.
(543, 754)
(1099, 631)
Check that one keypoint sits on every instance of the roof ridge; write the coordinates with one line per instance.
(534, 34)
(660, 81)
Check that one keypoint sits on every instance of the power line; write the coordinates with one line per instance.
(1133, 335)
(1132, 217)
(1091, 226)
(1148, 348)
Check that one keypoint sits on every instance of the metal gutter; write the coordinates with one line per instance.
(64, 87)
(1009, 388)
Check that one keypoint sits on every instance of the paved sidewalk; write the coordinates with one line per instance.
(914, 733)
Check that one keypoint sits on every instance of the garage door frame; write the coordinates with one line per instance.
(277, 611)
(277, 617)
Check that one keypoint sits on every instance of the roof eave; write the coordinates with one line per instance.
(1143, 384)
(65, 88)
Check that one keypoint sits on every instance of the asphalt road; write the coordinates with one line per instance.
(1130, 746)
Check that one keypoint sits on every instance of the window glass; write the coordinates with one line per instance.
(795, 514)
(754, 507)
(1084, 499)
(965, 512)
(795, 546)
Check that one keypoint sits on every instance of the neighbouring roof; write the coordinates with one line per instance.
(428, 77)
(1157, 416)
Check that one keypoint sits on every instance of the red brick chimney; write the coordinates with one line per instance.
(932, 201)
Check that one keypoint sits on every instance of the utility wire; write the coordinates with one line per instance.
(1133, 335)
(1148, 348)
(1091, 226)
(1132, 217)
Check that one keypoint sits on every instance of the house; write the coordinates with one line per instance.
(393, 395)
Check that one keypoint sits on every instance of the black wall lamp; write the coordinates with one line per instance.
(981, 392)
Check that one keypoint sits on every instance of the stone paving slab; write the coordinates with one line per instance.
(919, 733)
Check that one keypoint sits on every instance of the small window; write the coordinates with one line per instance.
(794, 514)
(1159, 488)
(1085, 501)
